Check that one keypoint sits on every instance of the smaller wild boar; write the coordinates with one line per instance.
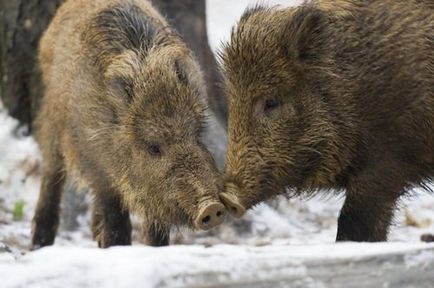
(332, 95)
(122, 113)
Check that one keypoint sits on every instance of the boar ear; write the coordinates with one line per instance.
(305, 32)
(121, 87)
(119, 75)
(181, 73)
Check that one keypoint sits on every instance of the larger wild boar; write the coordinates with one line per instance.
(332, 95)
(123, 112)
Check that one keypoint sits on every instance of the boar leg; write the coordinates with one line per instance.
(46, 218)
(156, 235)
(368, 209)
(111, 224)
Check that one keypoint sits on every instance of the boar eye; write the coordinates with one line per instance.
(122, 88)
(154, 149)
(271, 104)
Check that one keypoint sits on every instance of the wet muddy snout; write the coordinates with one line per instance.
(233, 205)
(211, 214)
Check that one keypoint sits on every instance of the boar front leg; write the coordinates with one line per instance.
(369, 207)
(46, 218)
(156, 235)
(111, 224)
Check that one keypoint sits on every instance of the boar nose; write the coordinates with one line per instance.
(210, 215)
(232, 204)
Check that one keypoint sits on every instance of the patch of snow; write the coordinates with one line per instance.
(420, 260)
(177, 266)
(20, 163)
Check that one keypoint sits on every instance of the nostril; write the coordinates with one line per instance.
(206, 219)
(234, 209)
(233, 204)
(211, 214)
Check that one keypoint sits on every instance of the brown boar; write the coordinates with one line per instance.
(123, 114)
(331, 95)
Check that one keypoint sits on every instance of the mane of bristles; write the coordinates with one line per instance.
(248, 39)
(232, 47)
(123, 27)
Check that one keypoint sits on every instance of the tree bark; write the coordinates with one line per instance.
(22, 23)
(189, 19)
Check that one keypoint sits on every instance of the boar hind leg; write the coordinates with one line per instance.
(111, 224)
(156, 235)
(368, 210)
(46, 218)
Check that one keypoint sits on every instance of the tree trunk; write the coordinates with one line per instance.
(22, 23)
(189, 19)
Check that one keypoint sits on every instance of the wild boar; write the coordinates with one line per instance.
(331, 95)
(122, 113)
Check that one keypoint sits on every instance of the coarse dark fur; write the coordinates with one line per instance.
(332, 95)
(122, 113)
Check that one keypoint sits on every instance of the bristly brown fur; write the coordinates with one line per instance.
(122, 113)
(332, 95)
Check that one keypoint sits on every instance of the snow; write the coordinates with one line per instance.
(279, 235)
(177, 266)
(20, 160)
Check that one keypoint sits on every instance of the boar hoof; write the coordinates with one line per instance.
(40, 240)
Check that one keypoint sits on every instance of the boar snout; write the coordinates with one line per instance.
(210, 215)
(232, 202)
(233, 205)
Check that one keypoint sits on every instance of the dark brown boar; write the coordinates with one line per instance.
(123, 113)
(332, 95)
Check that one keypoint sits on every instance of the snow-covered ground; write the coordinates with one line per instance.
(279, 223)
(223, 266)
